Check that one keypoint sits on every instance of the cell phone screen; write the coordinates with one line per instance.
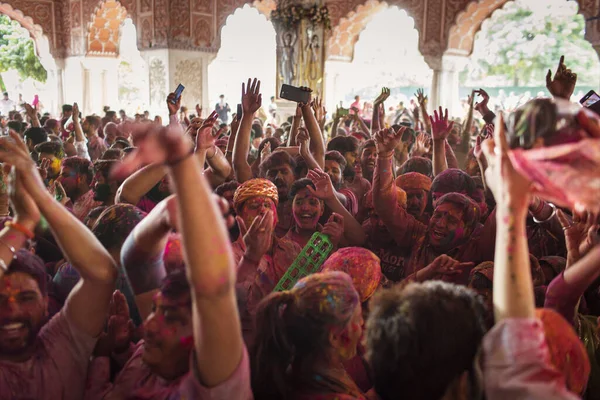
(591, 100)
(178, 92)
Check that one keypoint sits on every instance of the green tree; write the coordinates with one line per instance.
(522, 41)
(17, 52)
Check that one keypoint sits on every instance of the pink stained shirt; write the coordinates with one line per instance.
(57, 369)
(517, 363)
(136, 381)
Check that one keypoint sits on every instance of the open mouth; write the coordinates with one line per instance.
(13, 330)
(438, 234)
(306, 218)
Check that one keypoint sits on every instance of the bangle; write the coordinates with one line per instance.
(549, 218)
(386, 155)
(180, 159)
(18, 227)
(12, 249)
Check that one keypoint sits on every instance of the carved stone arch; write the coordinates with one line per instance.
(263, 6)
(468, 22)
(104, 28)
(43, 45)
(347, 28)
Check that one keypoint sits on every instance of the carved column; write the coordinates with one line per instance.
(445, 82)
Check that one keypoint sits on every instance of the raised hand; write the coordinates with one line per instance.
(303, 141)
(198, 110)
(445, 267)
(334, 228)
(323, 186)
(29, 110)
(251, 97)
(43, 168)
(421, 145)
(440, 126)
(482, 106)
(421, 98)
(120, 328)
(310, 100)
(155, 145)
(503, 180)
(383, 96)
(205, 139)
(319, 109)
(563, 84)
(387, 140)
(24, 207)
(257, 238)
(581, 234)
(173, 108)
(57, 190)
(75, 112)
(266, 151)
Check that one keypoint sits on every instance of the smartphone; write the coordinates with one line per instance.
(293, 93)
(239, 111)
(342, 112)
(178, 92)
(592, 101)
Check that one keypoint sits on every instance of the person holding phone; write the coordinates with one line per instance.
(222, 108)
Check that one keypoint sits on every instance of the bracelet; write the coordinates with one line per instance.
(549, 218)
(12, 249)
(18, 227)
(180, 159)
(386, 155)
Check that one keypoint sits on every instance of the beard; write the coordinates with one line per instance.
(17, 346)
(102, 192)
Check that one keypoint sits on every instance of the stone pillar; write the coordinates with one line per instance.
(100, 84)
(445, 82)
(168, 68)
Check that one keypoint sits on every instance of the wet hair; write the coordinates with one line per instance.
(116, 223)
(230, 186)
(275, 160)
(343, 144)
(30, 264)
(36, 135)
(294, 326)
(81, 166)
(299, 185)
(175, 285)
(421, 165)
(422, 337)
(336, 156)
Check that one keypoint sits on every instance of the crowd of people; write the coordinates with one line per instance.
(144, 261)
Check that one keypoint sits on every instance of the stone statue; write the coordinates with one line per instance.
(288, 57)
(313, 59)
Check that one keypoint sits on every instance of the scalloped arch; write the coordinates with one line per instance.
(264, 7)
(104, 28)
(41, 41)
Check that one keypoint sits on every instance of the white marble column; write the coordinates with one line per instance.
(445, 82)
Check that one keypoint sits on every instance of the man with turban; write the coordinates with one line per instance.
(262, 258)
(417, 187)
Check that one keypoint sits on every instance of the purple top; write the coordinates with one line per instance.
(57, 369)
(561, 298)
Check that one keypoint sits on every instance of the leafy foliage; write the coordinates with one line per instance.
(17, 51)
(522, 41)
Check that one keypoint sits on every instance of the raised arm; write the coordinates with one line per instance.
(251, 102)
(219, 168)
(32, 114)
(513, 287)
(403, 227)
(563, 84)
(88, 303)
(375, 123)
(440, 129)
(422, 100)
(209, 259)
(295, 125)
(139, 183)
(80, 140)
(317, 146)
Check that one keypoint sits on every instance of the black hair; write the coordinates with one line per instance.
(276, 159)
(299, 185)
(422, 337)
(36, 135)
(343, 144)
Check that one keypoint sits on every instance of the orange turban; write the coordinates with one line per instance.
(414, 180)
(400, 198)
(362, 265)
(255, 188)
(567, 353)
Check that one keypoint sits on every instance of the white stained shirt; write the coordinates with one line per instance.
(6, 106)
